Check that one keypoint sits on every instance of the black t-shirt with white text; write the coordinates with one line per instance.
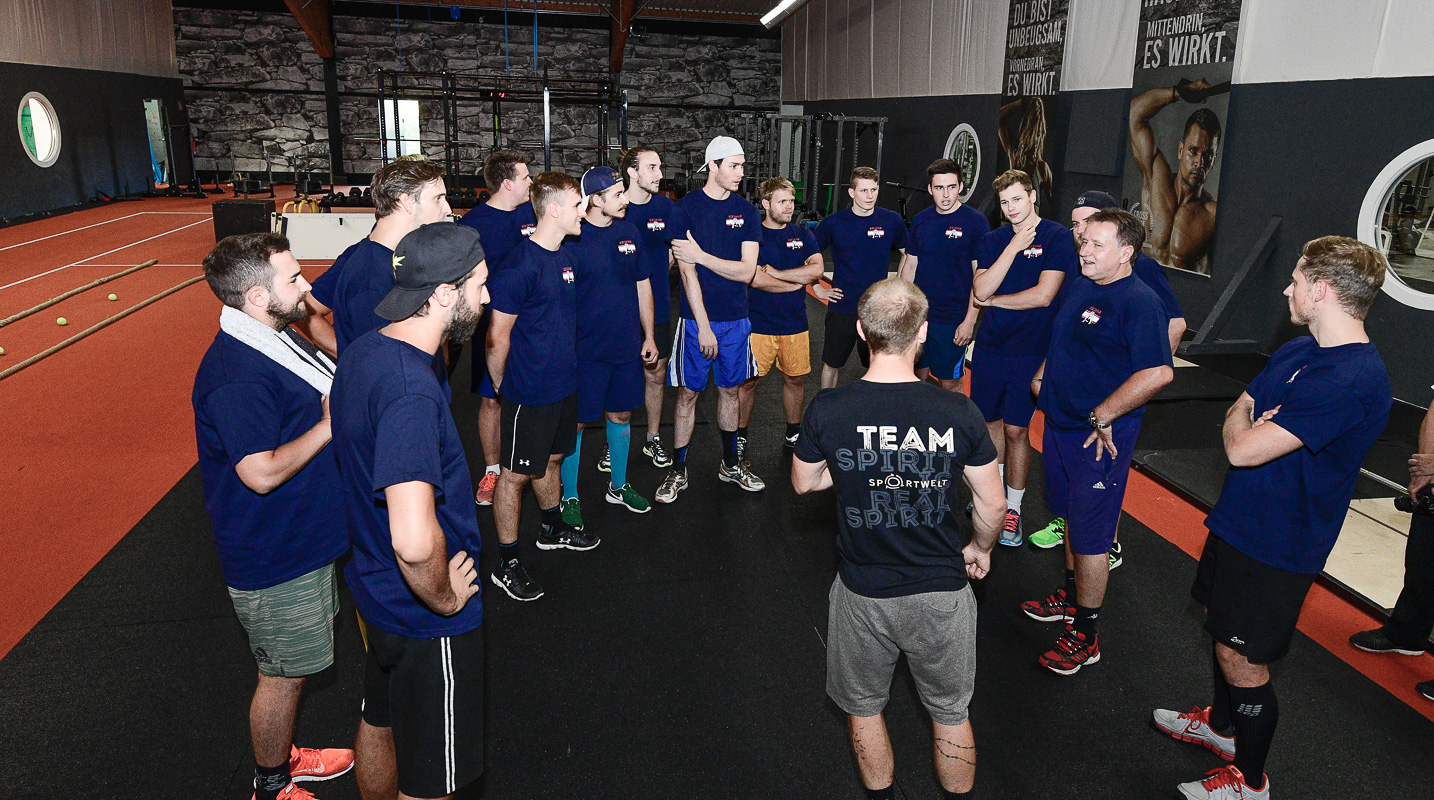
(896, 452)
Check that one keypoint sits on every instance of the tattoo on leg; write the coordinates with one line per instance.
(959, 752)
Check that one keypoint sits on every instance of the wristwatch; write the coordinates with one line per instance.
(1100, 426)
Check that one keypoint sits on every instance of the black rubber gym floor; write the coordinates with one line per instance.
(684, 658)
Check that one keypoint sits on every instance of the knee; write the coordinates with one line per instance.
(686, 397)
(1015, 433)
(619, 417)
(794, 381)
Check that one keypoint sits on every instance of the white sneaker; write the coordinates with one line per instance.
(675, 482)
(741, 475)
(1194, 727)
(1225, 783)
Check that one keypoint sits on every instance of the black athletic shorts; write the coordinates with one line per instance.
(839, 337)
(662, 334)
(532, 433)
(1250, 606)
(430, 692)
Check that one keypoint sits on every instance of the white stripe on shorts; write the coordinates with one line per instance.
(449, 749)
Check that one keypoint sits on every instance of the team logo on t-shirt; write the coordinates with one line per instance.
(875, 232)
(1034, 251)
(655, 225)
(953, 232)
(1090, 316)
(736, 221)
(568, 274)
(527, 229)
(626, 247)
(795, 243)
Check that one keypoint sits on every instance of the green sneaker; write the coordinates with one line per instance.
(627, 496)
(572, 513)
(1050, 536)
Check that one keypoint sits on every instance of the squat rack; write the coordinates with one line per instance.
(495, 90)
(766, 135)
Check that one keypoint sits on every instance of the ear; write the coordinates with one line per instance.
(850, 192)
(446, 295)
(257, 296)
(860, 331)
(921, 334)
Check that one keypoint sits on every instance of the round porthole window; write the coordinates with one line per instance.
(39, 129)
(1397, 217)
(963, 147)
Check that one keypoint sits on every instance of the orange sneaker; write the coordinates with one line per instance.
(309, 764)
(292, 792)
(484, 496)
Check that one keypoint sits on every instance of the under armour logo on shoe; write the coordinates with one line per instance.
(1098, 485)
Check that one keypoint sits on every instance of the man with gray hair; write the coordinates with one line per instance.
(893, 445)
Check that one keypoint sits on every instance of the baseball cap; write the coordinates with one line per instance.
(432, 255)
(1095, 200)
(722, 147)
(599, 179)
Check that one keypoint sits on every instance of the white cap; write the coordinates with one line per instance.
(723, 147)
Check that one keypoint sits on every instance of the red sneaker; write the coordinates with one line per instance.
(292, 792)
(309, 764)
(1054, 607)
(1072, 651)
(484, 495)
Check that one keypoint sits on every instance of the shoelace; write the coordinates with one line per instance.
(488, 479)
(1069, 643)
(658, 451)
(1056, 600)
(1197, 714)
(1222, 777)
(308, 760)
(1013, 523)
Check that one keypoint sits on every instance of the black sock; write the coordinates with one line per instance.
(729, 448)
(682, 456)
(945, 795)
(793, 428)
(1069, 586)
(1256, 714)
(507, 555)
(1085, 619)
(553, 517)
(889, 793)
(269, 781)
(741, 431)
(1220, 708)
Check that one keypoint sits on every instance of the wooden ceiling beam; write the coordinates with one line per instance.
(316, 18)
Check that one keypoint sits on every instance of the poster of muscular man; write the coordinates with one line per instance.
(1035, 49)
(1184, 55)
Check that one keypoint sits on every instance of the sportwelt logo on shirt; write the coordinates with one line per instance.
(1034, 251)
(953, 232)
(1090, 316)
(626, 247)
(794, 243)
(655, 225)
(875, 232)
(568, 274)
(735, 221)
(528, 229)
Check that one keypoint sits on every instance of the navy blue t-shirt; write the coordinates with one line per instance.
(392, 425)
(1288, 513)
(500, 231)
(244, 403)
(537, 286)
(782, 313)
(945, 246)
(609, 265)
(861, 250)
(653, 219)
(1028, 332)
(720, 227)
(1101, 336)
(1149, 270)
(896, 452)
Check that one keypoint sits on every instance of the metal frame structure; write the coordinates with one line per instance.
(763, 135)
(495, 90)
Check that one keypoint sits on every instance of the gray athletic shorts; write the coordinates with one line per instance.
(936, 631)
(291, 625)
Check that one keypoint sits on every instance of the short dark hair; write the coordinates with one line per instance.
(629, 161)
(944, 166)
(1205, 120)
(241, 262)
(863, 174)
(501, 166)
(406, 176)
(546, 188)
(422, 311)
(1352, 268)
(891, 312)
(1129, 231)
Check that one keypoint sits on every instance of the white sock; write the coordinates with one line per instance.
(1013, 498)
(1001, 468)
(492, 470)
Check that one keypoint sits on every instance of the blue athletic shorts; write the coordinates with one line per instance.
(608, 387)
(1001, 386)
(734, 362)
(1088, 493)
(941, 355)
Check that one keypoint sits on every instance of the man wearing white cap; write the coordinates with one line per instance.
(718, 261)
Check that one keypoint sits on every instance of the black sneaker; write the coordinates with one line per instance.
(791, 441)
(1376, 641)
(1115, 557)
(565, 538)
(516, 583)
(655, 451)
(1426, 688)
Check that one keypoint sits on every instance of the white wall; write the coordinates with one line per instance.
(134, 36)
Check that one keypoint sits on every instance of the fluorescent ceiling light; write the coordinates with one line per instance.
(780, 12)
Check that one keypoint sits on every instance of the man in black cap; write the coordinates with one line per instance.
(405, 489)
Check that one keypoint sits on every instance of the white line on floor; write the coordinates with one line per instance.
(82, 261)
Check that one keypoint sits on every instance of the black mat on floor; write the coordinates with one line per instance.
(1199, 383)
(684, 658)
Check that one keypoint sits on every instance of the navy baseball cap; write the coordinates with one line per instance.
(599, 179)
(432, 255)
(1095, 200)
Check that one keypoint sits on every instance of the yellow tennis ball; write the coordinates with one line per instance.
(114, 297)
(2, 351)
(62, 321)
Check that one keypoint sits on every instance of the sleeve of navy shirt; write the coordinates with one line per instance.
(1318, 412)
(752, 231)
(987, 251)
(1062, 254)
(322, 288)
(809, 244)
(677, 224)
(824, 233)
(902, 239)
(913, 245)
(508, 288)
(809, 447)
(1146, 331)
(1153, 275)
(247, 419)
(406, 444)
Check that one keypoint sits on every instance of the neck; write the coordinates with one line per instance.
(1339, 328)
(767, 222)
(505, 202)
(597, 218)
(892, 368)
(1124, 271)
(390, 230)
(714, 191)
(1029, 222)
(857, 210)
(262, 316)
(951, 210)
(548, 235)
(425, 332)
(637, 195)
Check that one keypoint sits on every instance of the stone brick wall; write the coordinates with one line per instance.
(276, 105)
